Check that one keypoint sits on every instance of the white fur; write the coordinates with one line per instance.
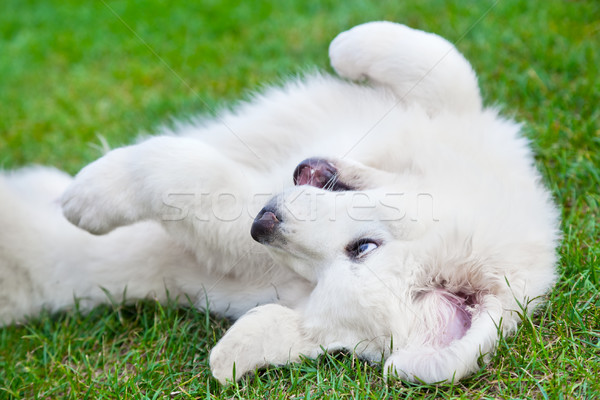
(466, 233)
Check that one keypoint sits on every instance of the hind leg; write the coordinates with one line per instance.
(163, 179)
(419, 67)
(205, 200)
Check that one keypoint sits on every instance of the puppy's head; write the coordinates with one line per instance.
(339, 212)
(361, 235)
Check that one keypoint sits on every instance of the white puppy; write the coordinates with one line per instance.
(416, 228)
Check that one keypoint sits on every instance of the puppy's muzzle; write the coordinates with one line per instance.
(265, 225)
(319, 173)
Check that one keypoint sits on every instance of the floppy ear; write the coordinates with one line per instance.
(269, 334)
(445, 354)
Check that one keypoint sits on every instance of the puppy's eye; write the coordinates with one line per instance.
(361, 248)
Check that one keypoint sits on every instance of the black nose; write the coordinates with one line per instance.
(264, 226)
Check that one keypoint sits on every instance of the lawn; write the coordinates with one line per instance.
(74, 74)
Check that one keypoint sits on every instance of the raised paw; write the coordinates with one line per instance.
(103, 196)
(358, 52)
(420, 67)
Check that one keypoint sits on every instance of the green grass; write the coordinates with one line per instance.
(71, 71)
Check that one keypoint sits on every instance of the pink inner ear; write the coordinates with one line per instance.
(453, 316)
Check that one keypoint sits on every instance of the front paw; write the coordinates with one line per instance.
(241, 350)
(268, 334)
(227, 361)
(358, 52)
(429, 365)
(103, 195)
